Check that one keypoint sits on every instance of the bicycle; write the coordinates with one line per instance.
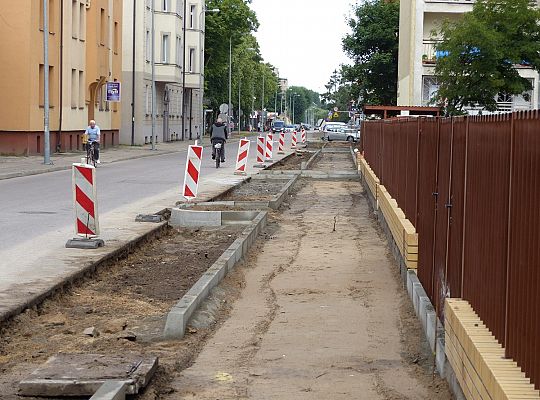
(218, 149)
(91, 153)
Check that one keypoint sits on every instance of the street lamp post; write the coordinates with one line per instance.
(262, 105)
(154, 75)
(46, 131)
(230, 82)
(202, 35)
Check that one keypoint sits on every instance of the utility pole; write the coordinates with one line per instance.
(239, 104)
(230, 82)
(154, 76)
(133, 75)
(262, 105)
(184, 71)
(46, 131)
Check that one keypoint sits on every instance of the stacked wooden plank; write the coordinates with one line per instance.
(479, 360)
(403, 231)
(371, 179)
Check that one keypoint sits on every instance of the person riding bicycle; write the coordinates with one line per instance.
(219, 134)
(93, 134)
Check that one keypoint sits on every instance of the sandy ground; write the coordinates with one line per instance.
(322, 315)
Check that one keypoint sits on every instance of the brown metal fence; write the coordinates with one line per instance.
(471, 187)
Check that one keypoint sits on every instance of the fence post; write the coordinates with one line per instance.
(464, 221)
(508, 234)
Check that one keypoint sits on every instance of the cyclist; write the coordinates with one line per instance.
(93, 134)
(219, 134)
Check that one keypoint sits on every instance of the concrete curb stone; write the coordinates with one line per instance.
(178, 317)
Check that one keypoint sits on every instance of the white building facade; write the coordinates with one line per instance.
(177, 111)
(417, 59)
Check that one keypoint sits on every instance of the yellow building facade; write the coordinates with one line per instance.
(84, 53)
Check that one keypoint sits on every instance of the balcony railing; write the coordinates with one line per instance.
(429, 56)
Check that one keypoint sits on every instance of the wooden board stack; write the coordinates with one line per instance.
(479, 360)
(401, 228)
(403, 231)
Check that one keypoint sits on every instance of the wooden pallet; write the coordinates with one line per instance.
(479, 360)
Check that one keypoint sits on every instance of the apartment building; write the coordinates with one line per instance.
(84, 53)
(417, 56)
(178, 50)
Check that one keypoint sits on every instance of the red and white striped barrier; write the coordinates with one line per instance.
(193, 172)
(281, 143)
(261, 146)
(241, 160)
(294, 140)
(304, 136)
(85, 200)
(269, 146)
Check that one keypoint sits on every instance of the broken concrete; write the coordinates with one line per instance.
(84, 374)
(111, 390)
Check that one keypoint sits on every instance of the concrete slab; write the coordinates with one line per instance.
(191, 218)
(149, 218)
(237, 217)
(84, 374)
(111, 390)
(85, 243)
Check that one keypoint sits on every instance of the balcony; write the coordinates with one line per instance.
(429, 54)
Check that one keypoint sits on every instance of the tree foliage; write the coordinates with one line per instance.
(373, 46)
(236, 21)
(304, 99)
(478, 54)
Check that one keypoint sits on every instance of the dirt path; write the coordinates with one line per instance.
(322, 315)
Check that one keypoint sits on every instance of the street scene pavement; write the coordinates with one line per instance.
(38, 218)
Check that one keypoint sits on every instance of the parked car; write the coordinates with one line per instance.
(318, 124)
(278, 126)
(289, 128)
(339, 132)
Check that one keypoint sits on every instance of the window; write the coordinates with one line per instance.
(191, 60)
(82, 21)
(50, 12)
(116, 37)
(148, 46)
(52, 94)
(74, 88)
(74, 19)
(165, 6)
(178, 51)
(192, 12)
(82, 91)
(102, 27)
(165, 48)
(146, 100)
(430, 86)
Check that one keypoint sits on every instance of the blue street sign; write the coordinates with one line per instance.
(113, 91)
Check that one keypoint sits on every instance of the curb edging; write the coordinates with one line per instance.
(180, 314)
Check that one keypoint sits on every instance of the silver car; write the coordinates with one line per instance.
(340, 132)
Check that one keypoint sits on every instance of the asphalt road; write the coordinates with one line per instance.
(35, 205)
(37, 216)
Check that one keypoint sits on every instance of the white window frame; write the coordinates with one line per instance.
(165, 48)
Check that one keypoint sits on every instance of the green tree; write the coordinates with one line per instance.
(304, 99)
(373, 46)
(235, 21)
(478, 54)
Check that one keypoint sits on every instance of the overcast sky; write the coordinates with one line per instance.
(303, 38)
